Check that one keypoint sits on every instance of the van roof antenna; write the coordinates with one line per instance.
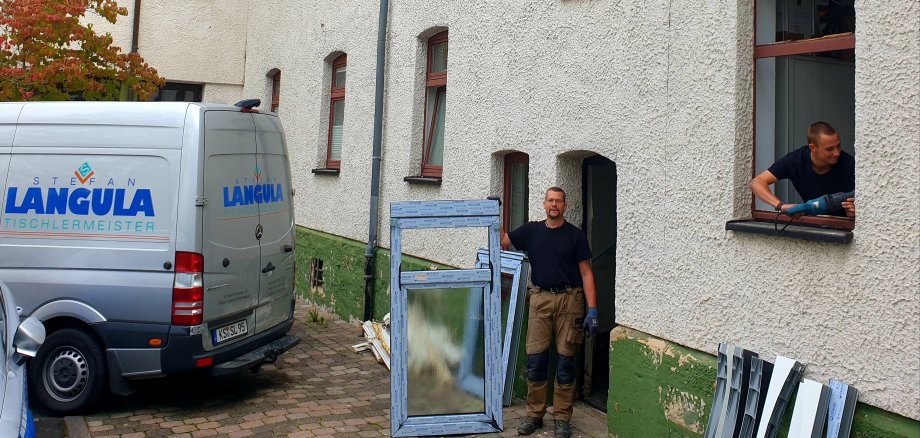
(248, 104)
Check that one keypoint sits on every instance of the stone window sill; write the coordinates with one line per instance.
(325, 171)
(803, 232)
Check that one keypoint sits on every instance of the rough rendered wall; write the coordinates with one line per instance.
(298, 43)
(223, 93)
(886, 294)
(121, 30)
(849, 311)
(200, 41)
(662, 88)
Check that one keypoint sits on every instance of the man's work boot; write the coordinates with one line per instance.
(562, 429)
(530, 425)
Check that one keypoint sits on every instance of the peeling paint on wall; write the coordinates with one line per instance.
(684, 409)
(657, 388)
(662, 389)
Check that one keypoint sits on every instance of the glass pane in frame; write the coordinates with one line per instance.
(515, 270)
(438, 58)
(792, 92)
(437, 104)
(438, 319)
(791, 20)
(339, 76)
(338, 120)
(518, 197)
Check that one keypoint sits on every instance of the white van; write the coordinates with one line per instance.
(149, 238)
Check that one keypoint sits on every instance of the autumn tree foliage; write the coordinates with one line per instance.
(46, 53)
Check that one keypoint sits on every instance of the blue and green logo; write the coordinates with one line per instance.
(257, 190)
(75, 199)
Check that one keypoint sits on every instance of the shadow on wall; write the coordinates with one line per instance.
(568, 176)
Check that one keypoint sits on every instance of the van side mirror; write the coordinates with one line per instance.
(28, 339)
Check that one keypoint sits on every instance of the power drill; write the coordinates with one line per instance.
(821, 205)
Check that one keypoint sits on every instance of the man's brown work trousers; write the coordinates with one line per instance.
(553, 316)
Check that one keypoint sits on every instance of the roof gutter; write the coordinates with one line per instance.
(370, 253)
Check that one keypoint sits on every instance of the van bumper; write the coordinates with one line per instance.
(267, 353)
(183, 351)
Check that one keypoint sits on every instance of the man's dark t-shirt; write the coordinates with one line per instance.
(796, 167)
(554, 253)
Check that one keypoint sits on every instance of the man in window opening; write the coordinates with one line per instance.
(562, 279)
(817, 169)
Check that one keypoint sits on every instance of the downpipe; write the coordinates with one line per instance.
(371, 253)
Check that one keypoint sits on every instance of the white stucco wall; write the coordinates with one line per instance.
(200, 41)
(662, 88)
(301, 43)
(121, 30)
(222, 93)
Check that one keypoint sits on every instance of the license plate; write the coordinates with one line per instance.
(230, 331)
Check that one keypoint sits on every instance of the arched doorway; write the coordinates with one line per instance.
(599, 221)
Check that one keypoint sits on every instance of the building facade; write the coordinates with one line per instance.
(654, 117)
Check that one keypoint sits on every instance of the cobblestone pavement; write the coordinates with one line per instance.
(319, 388)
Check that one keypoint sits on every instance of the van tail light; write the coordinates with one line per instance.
(188, 289)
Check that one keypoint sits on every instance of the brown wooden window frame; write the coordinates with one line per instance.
(276, 91)
(510, 160)
(841, 41)
(337, 94)
(433, 82)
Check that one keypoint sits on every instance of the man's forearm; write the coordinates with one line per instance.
(587, 281)
(762, 191)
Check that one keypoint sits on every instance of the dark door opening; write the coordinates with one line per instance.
(599, 182)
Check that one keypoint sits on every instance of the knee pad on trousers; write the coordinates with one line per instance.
(537, 366)
(565, 374)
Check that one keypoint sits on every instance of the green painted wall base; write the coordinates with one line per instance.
(657, 388)
(662, 389)
(342, 286)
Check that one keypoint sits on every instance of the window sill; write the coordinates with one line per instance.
(424, 180)
(803, 232)
(326, 171)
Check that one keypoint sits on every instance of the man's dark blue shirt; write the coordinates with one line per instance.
(796, 167)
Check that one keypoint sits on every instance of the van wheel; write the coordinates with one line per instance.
(68, 375)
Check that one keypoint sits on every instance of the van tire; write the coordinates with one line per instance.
(68, 375)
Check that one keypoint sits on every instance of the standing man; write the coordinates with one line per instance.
(560, 261)
(818, 169)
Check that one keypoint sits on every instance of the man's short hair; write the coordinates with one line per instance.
(555, 189)
(819, 128)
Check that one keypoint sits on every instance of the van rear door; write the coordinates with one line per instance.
(230, 223)
(8, 114)
(277, 224)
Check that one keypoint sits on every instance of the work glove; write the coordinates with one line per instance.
(590, 323)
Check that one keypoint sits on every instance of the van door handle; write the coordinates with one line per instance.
(288, 248)
(268, 268)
